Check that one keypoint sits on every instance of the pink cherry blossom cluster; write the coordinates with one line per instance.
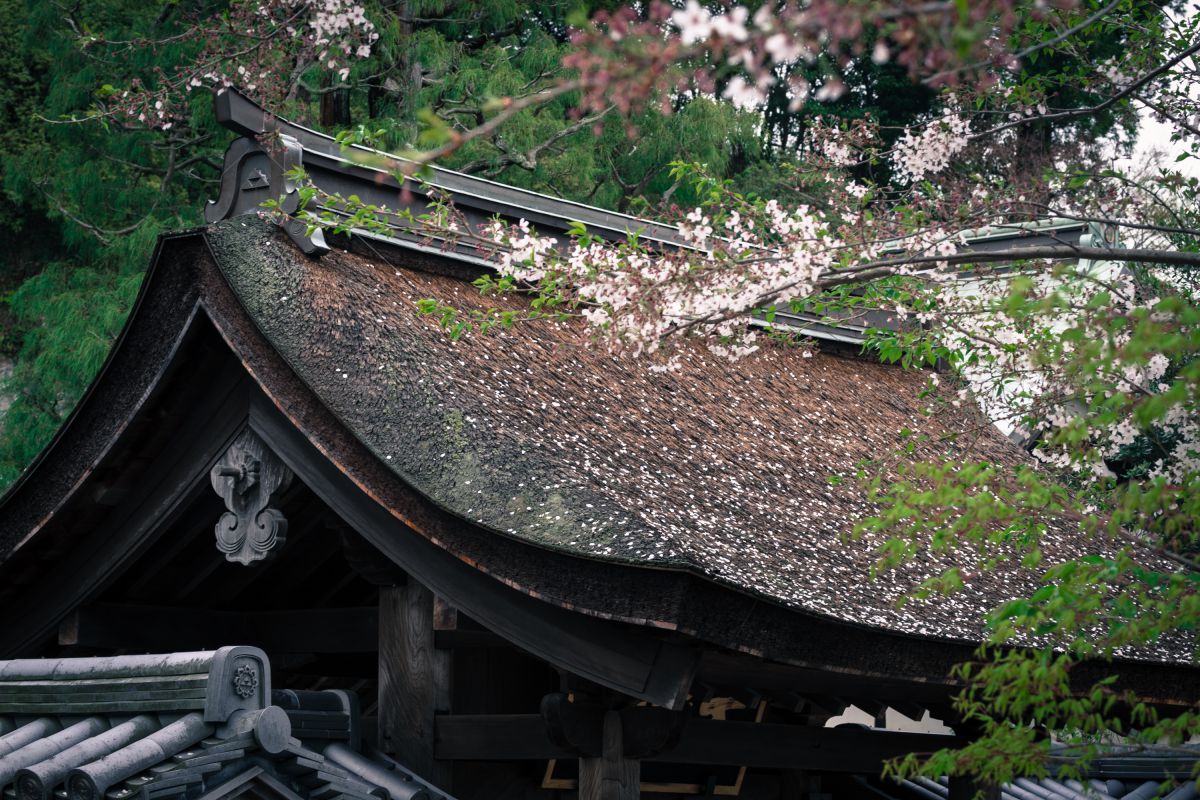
(1021, 365)
(1116, 73)
(929, 150)
(841, 145)
(637, 298)
(263, 47)
(526, 254)
(631, 57)
(732, 262)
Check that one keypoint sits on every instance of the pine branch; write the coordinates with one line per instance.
(528, 159)
(511, 108)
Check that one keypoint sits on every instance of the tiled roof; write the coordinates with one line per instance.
(181, 726)
(1130, 788)
(1116, 772)
(730, 471)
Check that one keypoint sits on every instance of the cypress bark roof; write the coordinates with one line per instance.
(585, 480)
(725, 470)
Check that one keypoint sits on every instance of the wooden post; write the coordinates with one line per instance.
(612, 776)
(793, 784)
(414, 680)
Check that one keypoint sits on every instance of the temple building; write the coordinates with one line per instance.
(296, 542)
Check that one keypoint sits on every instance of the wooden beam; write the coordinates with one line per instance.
(495, 737)
(169, 629)
(579, 726)
(459, 639)
(414, 680)
(847, 748)
(732, 669)
(611, 775)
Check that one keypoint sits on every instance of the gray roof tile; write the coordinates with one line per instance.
(84, 750)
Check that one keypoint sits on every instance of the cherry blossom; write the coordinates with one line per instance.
(926, 152)
(694, 23)
(287, 35)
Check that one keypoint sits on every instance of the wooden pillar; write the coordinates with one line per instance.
(414, 680)
(794, 784)
(612, 776)
(800, 784)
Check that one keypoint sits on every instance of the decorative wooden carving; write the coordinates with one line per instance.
(256, 168)
(257, 180)
(248, 477)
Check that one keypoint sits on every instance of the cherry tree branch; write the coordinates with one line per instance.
(890, 266)
(1087, 111)
(1033, 48)
(528, 158)
(1176, 119)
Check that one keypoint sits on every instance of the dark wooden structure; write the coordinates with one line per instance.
(541, 571)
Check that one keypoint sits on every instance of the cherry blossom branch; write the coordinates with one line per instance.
(1176, 119)
(1061, 213)
(528, 158)
(1087, 111)
(885, 267)
(934, 79)
(102, 235)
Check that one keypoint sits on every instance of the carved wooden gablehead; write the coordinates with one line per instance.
(256, 170)
(248, 477)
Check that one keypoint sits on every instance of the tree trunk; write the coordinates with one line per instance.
(335, 108)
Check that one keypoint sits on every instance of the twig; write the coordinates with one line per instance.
(512, 108)
(1072, 113)
(1032, 48)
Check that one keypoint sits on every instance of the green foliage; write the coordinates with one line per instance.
(85, 199)
(72, 315)
(512, 50)
(1141, 584)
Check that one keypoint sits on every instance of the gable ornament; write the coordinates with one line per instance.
(248, 477)
(245, 681)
